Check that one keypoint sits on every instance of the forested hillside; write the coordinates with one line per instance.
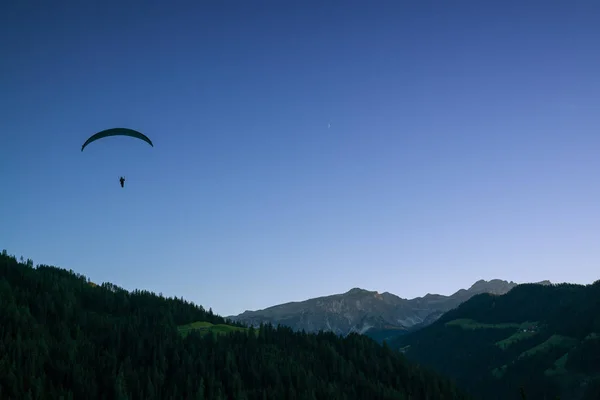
(61, 336)
(544, 339)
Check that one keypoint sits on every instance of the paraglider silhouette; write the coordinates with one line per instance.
(117, 132)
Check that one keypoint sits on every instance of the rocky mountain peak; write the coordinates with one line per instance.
(495, 286)
(357, 291)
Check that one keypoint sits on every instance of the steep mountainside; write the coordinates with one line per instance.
(545, 339)
(63, 338)
(379, 315)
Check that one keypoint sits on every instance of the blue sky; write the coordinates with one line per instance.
(464, 144)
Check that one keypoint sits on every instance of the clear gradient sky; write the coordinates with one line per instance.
(464, 144)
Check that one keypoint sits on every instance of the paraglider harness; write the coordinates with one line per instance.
(122, 180)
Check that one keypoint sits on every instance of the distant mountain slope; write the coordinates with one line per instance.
(379, 315)
(545, 339)
(64, 338)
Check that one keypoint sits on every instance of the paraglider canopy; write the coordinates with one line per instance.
(117, 132)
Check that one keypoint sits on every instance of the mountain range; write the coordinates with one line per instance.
(378, 315)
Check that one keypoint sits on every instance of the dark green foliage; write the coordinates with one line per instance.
(61, 336)
(585, 358)
(383, 334)
(560, 357)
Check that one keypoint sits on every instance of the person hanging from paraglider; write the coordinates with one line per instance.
(117, 132)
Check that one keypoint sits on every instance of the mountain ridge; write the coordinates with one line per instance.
(380, 315)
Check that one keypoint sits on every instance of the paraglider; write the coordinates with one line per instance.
(117, 132)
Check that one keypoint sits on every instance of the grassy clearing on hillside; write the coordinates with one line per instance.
(554, 340)
(514, 338)
(404, 349)
(526, 330)
(559, 366)
(469, 324)
(499, 372)
(206, 327)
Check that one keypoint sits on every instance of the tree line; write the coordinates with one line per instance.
(63, 337)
